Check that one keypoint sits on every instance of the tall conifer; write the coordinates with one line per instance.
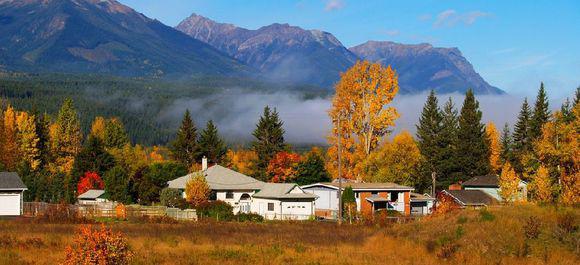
(541, 114)
(472, 142)
(428, 134)
(506, 145)
(184, 148)
(447, 157)
(269, 140)
(211, 145)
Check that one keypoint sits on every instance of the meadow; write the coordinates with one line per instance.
(524, 234)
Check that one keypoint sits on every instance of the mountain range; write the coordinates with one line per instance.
(107, 37)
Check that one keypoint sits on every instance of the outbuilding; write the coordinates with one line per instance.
(93, 197)
(11, 194)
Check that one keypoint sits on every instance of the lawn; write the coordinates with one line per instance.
(506, 235)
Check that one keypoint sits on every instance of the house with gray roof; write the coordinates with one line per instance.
(490, 185)
(369, 197)
(11, 194)
(92, 197)
(469, 198)
(249, 195)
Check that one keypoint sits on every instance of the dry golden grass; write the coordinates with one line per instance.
(463, 237)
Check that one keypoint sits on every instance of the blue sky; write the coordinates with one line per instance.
(513, 44)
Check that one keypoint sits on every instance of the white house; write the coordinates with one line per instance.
(11, 194)
(249, 195)
(92, 197)
(490, 185)
(421, 204)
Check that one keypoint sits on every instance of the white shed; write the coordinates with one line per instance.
(11, 194)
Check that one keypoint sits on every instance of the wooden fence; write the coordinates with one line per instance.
(107, 210)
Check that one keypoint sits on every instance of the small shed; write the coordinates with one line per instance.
(92, 197)
(11, 194)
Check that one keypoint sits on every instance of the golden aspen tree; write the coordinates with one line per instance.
(28, 139)
(98, 127)
(541, 185)
(197, 190)
(66, 137)
(361, 106)
(570, 188)
(9, 153)
(494, 147)
(241, 160)
(508, 184)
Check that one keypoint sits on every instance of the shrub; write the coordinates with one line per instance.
(98, 246)
(172, 198)
(567, 223)
(249, 217)
(218, 210)
(486, 216)
(532, 228)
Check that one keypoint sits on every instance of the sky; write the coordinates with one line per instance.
(514, 45)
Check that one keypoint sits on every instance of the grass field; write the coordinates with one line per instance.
(497, 236)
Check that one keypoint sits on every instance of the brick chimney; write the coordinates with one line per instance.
(456, 186)
(204, 163)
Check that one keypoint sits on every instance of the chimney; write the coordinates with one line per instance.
(204, 163)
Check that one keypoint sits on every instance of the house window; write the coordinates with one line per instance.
(270, 206)
(229, 195)
(394, 196)
(374, 192)
(212, 196)
(356, 194)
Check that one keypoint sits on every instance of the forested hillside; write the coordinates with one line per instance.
(136, 102)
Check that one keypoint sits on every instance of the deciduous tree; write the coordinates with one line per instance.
(197, 190)
(541, 186)
(242, 161)
(66, 137)
(508, 184)
(28, 140)
(282, 167)
(361, 104)
(9, 152)
(494, 147)
(90, 181)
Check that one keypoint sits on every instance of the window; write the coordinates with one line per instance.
(212, 196)
(356, 194)
(374, 192)
(270, 206)
(229, 195)
(394, 196)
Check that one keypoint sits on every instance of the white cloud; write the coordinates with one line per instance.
(450, 18)
(332, 5)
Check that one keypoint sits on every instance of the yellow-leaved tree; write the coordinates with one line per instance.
(361, 109)
(66, 137)
(196, 190)
(541, 185)
(98, 128)
(394, 161)
(241, 160)
(9, 154)
(570, 188)
(28, 139)
(494, 146)
(508, 184)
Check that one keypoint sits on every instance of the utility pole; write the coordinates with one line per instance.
(339, 175)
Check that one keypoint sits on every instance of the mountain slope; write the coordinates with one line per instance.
(423, 67)
(282, 52)
(100, 36)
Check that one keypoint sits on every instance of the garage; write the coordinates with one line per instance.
(11, 194)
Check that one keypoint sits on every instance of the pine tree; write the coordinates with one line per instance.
(472, 146)
(269, 140)
(211, 145)
(115, 135)
(185, 148)
(522, 141)
(447, 158)
(541, 114)
(428, 136)
(506, 154)
(67, 136)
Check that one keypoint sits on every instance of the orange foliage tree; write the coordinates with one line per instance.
(494, 146)
(197, 190)
(98, 246)
(361, 106)
(89, 181)
(282, 167)
(570, 188)
(242, 161)
(541, 185)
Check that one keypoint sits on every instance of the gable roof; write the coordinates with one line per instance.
(11, 181)
(92, 194)
(357, 186)
(220, 178)
(420, 197)
(471, 197)
(282, 191)
(491, 180)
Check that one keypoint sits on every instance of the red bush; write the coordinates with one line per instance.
(90, 180)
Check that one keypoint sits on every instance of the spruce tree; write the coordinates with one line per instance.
(184, 148)
(522, 141)
(541, 114)
(428, 134)
(566, 111)
(269, 140)
(506, 145)
(472, 142)
(447, 157)
(211, 145)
